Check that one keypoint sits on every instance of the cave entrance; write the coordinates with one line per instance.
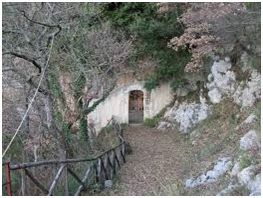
(136, 106)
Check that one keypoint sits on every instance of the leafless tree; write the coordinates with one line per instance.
(27, 33)
(42, 39)
(79, 48)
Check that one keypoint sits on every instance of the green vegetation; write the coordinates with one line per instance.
(258, 114)
(126, 14)
(220, 128)
(175, 189)
(107, 138)
(78, 86)
(54, 86)
(152, 32)
(152, 122)
(90, 109)
(83, 129)
(17, 146)
(245, 160)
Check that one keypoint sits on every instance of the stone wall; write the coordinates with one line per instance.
(117, 103)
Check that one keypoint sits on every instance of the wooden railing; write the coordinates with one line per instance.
(100, 168)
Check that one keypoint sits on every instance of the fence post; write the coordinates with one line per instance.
(8, 179)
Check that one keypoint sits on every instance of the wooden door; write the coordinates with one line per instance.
(136, 106)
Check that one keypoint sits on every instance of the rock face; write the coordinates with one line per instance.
(248, 178)
(246, 96)
(221, 167)
(250, 141)
(250, 119)
(248, 122)
(186, 115)
(222, 82)
(229, 190)
(164, 125)
(215, 95)
(183, 91)
(235, 170)
(108, 183)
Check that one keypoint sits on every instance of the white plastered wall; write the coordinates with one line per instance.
(117, 104)
(160, 97)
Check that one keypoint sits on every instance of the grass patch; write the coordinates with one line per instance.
(245, 160)
(175, 189)
(151, 122)
(209, 149)
(217, 133)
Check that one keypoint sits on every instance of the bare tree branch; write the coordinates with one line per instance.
(37, 65)
(43, 24)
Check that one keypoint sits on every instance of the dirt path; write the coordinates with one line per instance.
(162, 160)
(156, 166)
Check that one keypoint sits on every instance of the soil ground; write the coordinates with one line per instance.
(158, 164)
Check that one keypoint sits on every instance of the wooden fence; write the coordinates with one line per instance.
(100, 168)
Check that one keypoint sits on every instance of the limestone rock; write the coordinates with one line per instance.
(221, 80)
(245, 62)
(202, 99)
(231, 188)
(250, 141)
(247, 95)
(220, 66)
(210, 77)
(164, 125)
(187, 115)
(248, 178)
(220, 168)
(227, 59)
(247, 122)
(251, 118)
(108, 183)
(215, 95)
(236, 169)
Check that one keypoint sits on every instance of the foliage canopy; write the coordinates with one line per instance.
(152, 31)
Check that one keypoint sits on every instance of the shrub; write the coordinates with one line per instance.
(151, 122)
(152, 31)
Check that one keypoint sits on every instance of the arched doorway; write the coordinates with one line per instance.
(136, 106)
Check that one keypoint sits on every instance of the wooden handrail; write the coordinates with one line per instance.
(66, 161)
(36, 182)
(100, 165)
(54, 183)
(81, 187)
